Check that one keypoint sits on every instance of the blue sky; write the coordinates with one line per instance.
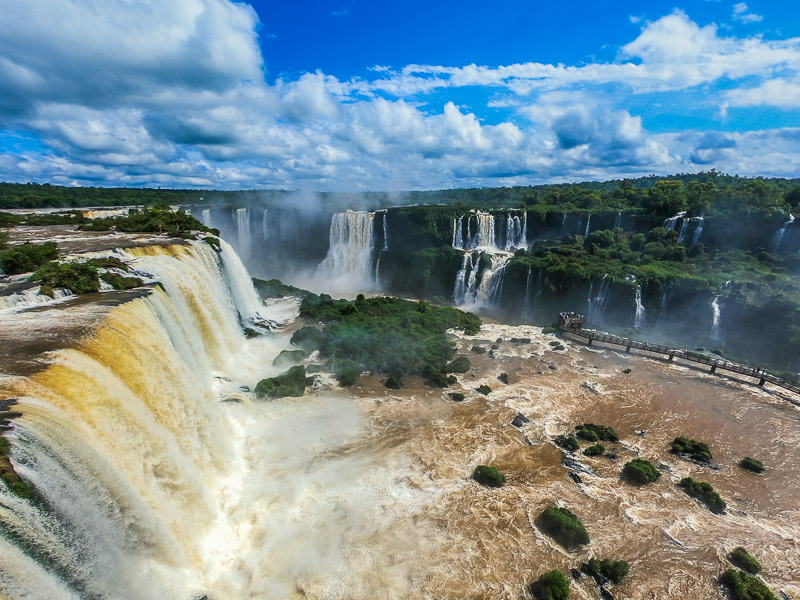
(352, 95)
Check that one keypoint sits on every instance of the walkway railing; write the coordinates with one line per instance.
(715, 364)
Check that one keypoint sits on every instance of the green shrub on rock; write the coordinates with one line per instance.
(564, 527)
(552, 585)
(568, 442)
(751, 464)
(457, 396)
(742, 559)
(705, 493)
(77, 276)
(346, 371)
(592, 433)
(393, 383)
(691, 448)
(595, 450)
(743, 586)
(118, 282)
(459, 365)
(479, 350)
(503, 377)
(484, 389)
(488, 476)
(613, 570)
(640, 470)
(292, 383)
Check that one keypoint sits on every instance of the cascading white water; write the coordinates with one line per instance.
(588, 225)
(264, 225)
(385, 234)
(347, 267)
(697, 232)
(516, 231)
(206, 216)
(563, 223)
(672, 222)
(618, 221)
(639, 316)
(462, 277)
(716, 316)
(485, 236)
(597, 304)
(242, 229)
(683, 231)
(776, 242)
(458, 241)
(490, 289)
(531, 295)
(662, 304)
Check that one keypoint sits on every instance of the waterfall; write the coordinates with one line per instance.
(662, 304)
(490, 289)
(465, 291)
(348, 264)
(385, 235)
(776, 242)
(715, 319)
(588, 224)
(516, 232)
(524, 238)
(597, 304)
(206, 217)
(242, 229)
(531, 295)
(469, 232)
(638, 320)
(264, 225)
(563, 223)
(458, 234)
(697, 232)
(672, 222)
(123, 438)
(618, 221)
(485, 236)
(684, 230)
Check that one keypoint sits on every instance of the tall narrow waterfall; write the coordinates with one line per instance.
(516, 231)
(385, 234)
(683, 231)
(348, 265)
(697, 232)
(776, 242)
(532, 294)
(242, 229)
(490, 289)
(588, 225)
(638, 319)
(458, 236)
(618, 221)
(264, 225)
(716, 316)
(206, 216)
(466, 280)
(597, 304)
(485, 236)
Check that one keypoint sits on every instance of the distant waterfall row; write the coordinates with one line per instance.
(486, 231)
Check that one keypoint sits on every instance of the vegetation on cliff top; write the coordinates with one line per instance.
(742, 559)
(384, 335)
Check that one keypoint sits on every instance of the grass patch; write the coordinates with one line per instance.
(564, 527)
(705, 493)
